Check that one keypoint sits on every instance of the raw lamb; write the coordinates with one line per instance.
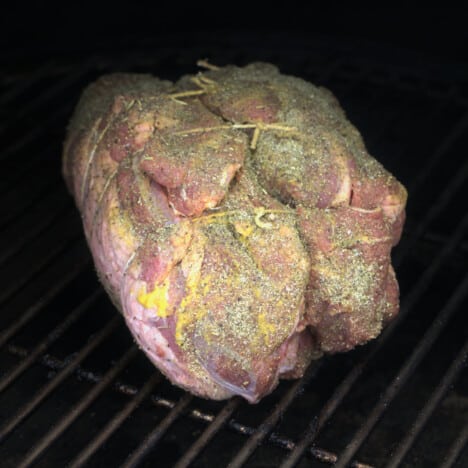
(236, 220)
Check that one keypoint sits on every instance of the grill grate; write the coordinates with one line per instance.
(74, 390)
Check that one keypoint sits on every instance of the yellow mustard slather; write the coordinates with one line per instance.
(191, 266)
(157, 299)
(266, 328)
(244, 229)
(186, 317)
(122, 228)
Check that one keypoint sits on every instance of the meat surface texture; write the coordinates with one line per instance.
(236, 220)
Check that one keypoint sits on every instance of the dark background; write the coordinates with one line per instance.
(32, 33)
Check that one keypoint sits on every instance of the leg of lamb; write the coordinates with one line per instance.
(236, 220)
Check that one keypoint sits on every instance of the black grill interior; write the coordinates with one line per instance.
(75, 391)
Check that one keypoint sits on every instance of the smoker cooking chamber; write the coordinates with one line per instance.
(75, 390)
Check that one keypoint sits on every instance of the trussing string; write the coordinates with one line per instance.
(257, 127)
(207, 85)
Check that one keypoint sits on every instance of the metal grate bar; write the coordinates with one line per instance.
(436, 209)
(38, 266)
(324, 74)
(44, 301)
(458, 130)
(54, 335)
(270, 422)
(22, 171)
(45, 96)
(276, 439)
(307, 438)
(44, 223)
(287, 444)
(16, 171)
(440, 239)
(155, 435)
(35, 132)
(452, 93)
(330, 458)
(382, 132)
(359, 77)
(387, 125)
(45, 391)
(425, 279)
(424, 415)
(23, 206)
(60, 427)
(456, 449)
(208, 433)
(346, 384)
(405, 372)
(99, 440)
(25, 84)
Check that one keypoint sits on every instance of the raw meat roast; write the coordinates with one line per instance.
(236, 220)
